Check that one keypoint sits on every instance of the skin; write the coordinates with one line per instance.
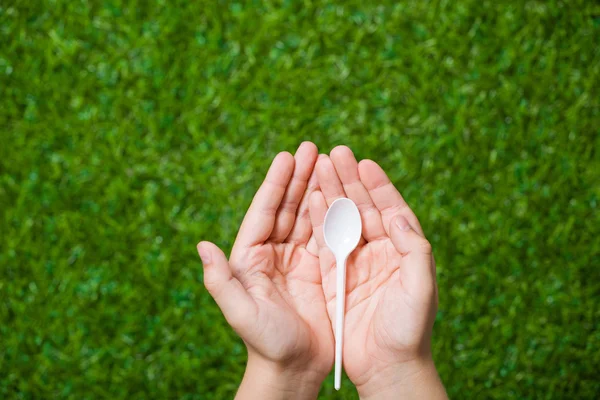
(277, 290)
(391, 292)
(270, 289)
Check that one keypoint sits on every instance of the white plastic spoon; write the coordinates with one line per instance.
(342, 229)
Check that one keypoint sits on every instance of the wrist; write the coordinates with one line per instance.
(268, 380)
(411, 379)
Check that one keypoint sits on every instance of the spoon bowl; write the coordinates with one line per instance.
(342, 230)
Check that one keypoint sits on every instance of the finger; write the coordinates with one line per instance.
(385, 196)
(231, 297)
(416, 271)
(302, 229)
(329, 182)
(347, 170)
(318, 209)
(260, 218)
(327, 265)
(312, 247)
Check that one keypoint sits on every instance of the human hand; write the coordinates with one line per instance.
(270, 290)
(391, 293)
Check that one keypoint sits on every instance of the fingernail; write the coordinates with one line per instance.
(402, 223)
(204, 254)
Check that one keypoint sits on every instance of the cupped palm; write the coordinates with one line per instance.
(270, 289)
(390, 289)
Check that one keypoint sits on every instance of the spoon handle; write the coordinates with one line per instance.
(340, 306)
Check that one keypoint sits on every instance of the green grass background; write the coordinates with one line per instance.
(131, 131)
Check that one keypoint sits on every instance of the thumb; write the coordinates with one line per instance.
(416, 270)
(231, 297)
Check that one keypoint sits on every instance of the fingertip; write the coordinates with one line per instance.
(367, 164)
(367, 161)
(204, 252)
(309, 146)
(371, 174)
(406, 239)
(363, 166)
(346, 167)
(317, 207)
(284, 156)
(341, 150)
(281, 168)
(321, 160)
(305, 159)
(324, 162)
(402, 223)
(207, 245)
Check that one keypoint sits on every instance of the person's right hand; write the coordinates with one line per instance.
(391, 294)
(270, 290)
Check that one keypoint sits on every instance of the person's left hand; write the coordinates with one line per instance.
(391, 291)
